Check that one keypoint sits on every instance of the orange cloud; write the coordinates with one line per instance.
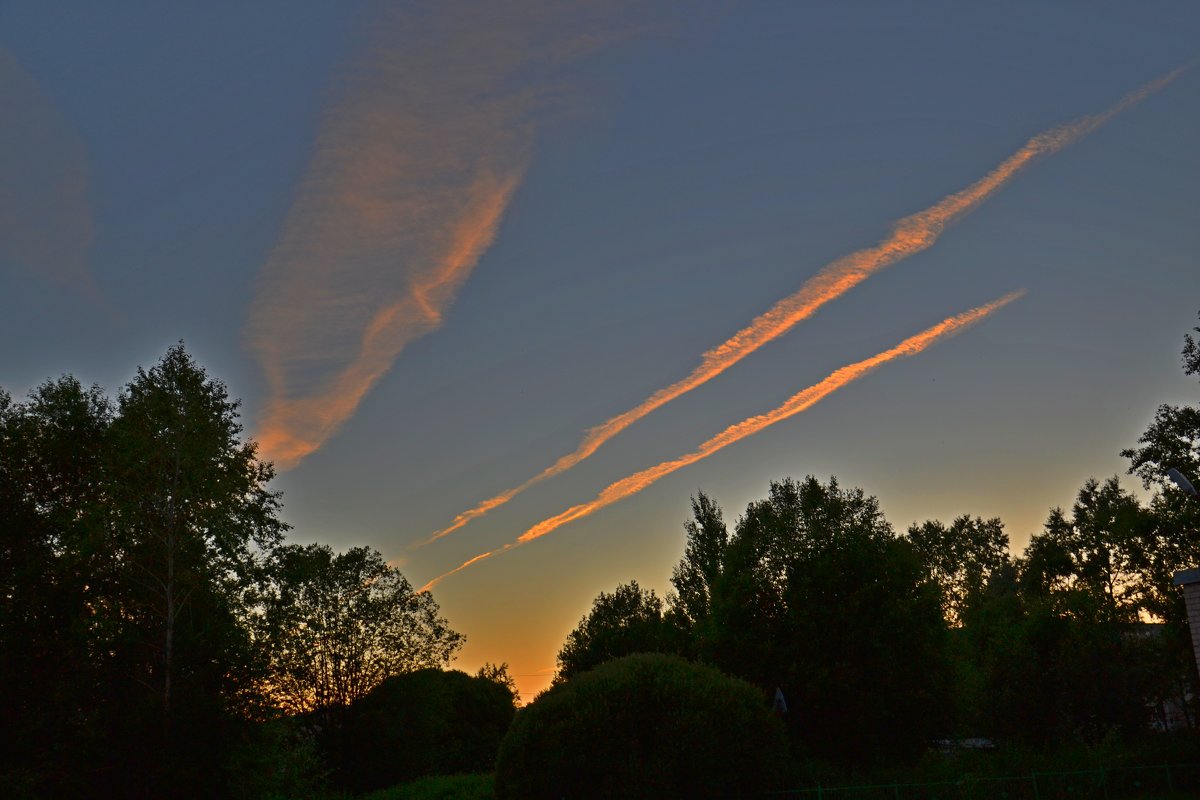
(411, 174)
(45, 214)
(799, 402)
(292, 427)
(909, 236)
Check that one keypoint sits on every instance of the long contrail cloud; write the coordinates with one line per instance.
(413, 168)
(909, 236)
(797, 403)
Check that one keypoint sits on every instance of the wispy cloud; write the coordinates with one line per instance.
(412, 172)
(46, 222)
(799, 402)
(909, 236)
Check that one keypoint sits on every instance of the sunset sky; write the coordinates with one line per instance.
(505, 283)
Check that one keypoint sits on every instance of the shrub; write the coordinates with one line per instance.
(652, 726)
(276, 759)
(429, 722)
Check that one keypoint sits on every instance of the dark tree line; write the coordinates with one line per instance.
(882, 642)
(158, 637)
(152, 619)
(811, 594)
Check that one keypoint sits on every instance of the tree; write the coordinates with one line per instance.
(630, 620)
(499, 674)
(131, 532)
(696, 575)
(145, 594)
(961, 557)
(799, 520)
(190, 512)
(1191, 354)
(1171, 440)
(862, 643)
(190, 506)
(643, 726)
(1096, 549)
(1172, 540)
(794, 524)
(1057, 664)
(994, 661)
(56, 572)
(336, 626)
(816, 595)
(1080, 662)
(1055, 639)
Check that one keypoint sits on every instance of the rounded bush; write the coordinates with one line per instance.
(648, 725)
(428, 722)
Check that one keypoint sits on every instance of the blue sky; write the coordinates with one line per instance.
(660, 176)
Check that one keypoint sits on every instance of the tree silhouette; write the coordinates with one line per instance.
(189, 511)
(1096, 549)
(189, 506)
(57, 569)
(499, 674)
(961, 557)
(335, 626)
(844, 620)
(814, 593)
(131, 533)
(697, 574)
(1171, 440)
(630, 620)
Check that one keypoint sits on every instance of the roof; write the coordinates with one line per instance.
(1186, 576)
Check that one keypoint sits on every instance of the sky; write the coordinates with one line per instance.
(502, 285)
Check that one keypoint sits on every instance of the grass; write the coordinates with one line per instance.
(439, 787)
(982, 776)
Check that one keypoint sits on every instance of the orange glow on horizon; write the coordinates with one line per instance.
(911, 235)
(799, 402)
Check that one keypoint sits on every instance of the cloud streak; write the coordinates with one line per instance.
(798, 403)
(412, 171)
(46, 224)
(909, 236)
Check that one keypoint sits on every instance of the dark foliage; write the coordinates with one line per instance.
(960, 557)
(817, 596)
(628, 621)
(128, 536)
(864, 661)
(133, 537)
(643, 726)
(1056, 668)
(702, 563)
(154, 628)
(333, 626)
(54, 565)
(428, 722)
